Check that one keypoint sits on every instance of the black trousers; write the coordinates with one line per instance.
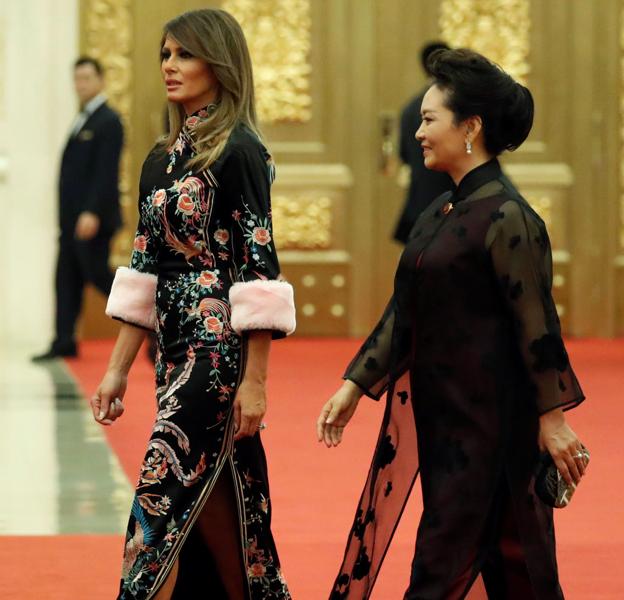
(79, 262)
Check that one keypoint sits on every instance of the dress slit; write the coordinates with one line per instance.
(177, 549)
(203, 555)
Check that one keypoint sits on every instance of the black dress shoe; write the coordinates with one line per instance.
(56, 352)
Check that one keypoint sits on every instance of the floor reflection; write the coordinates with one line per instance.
(59, 475)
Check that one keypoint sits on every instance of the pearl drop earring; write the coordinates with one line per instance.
(468, 147)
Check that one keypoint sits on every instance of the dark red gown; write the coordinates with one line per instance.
(469, 354)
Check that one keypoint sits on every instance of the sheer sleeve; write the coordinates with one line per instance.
(377, 362)
(521, 255)
(260, 298)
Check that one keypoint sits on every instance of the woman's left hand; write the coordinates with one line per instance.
(557, 437)
(249, 409)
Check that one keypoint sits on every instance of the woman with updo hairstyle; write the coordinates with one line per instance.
(470, 358)
(205, 276)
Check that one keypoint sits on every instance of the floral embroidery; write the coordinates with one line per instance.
(222, 236)
(208, 278)
(140, 243)
(158, 198)
(213, 325)
(261, 235)
(186, 204)
(198, 237)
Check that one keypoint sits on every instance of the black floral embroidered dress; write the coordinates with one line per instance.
(469, 352)
(203, 271)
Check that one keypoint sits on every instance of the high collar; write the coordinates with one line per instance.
(199, 116)
(476, 178)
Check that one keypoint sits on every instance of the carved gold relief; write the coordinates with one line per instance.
(279, 36)
(302, 221)
(542, 204)
(499, 29)
(108, 37)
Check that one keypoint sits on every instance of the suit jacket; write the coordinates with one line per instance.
(89, 178)
(425, 185)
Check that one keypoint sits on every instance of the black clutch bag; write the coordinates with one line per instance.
(550, 487)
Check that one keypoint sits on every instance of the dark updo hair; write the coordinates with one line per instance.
(427, 50)
(476, 86)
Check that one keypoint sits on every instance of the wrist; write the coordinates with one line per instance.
(255, 379)
(353, 390)
(552, 417)
(118, 370)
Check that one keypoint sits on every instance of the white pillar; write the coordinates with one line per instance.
(38, 44)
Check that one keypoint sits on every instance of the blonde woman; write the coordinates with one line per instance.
(204, 274)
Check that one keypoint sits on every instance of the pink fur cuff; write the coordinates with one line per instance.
(133, 298)
(262, 304)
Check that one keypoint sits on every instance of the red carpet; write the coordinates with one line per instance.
(59, 568)
(315, 490)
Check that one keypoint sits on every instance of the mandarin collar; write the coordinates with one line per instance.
(476, 178)
(198, 116)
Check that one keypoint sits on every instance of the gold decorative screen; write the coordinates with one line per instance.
(279, 36)
(498, 29)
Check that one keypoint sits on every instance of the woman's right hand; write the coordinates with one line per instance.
(557, 437)
(106, 403)
(336, 413)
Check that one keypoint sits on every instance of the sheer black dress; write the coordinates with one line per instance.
(469, 354)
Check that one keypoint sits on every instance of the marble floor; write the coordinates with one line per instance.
(59, 474)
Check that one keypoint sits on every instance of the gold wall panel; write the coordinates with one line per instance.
(321, 294)
(542, 204)
(107, 35)
(499, 29)
(279, 36)
(302, 221)
(561, 289)
(621, 225)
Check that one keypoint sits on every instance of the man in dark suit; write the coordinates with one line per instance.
(89, 212)
(425, 185)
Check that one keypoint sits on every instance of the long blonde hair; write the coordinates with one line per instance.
(215, 36)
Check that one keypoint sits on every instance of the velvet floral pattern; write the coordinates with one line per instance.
(198, 233)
